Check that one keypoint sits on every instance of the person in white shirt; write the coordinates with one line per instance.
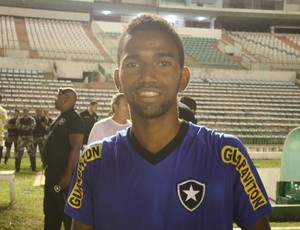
(3, 118)
(116, 122)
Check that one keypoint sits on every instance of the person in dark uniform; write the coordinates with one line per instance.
(39, 133)
(26, 125)
(12, 137)
(186, 113)
(191, 103)
(62, 149)
(90, 118)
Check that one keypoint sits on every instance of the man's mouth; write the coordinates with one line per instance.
(148, 94)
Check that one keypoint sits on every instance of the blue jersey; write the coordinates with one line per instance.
(201, 180)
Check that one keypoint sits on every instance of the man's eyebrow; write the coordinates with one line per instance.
(164, 55)
(131, 56)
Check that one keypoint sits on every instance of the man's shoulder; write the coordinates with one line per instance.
(104, 121)
(82, 113)
(212, 136)
(73, 116)
(77, 117)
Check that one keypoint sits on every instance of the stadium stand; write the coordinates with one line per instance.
(28, 89)
(208, 55)
(270, 48)
(70, 40)
(8, 35)
(260, 112)
(60, 39)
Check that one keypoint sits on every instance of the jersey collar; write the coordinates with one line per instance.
(163, 153)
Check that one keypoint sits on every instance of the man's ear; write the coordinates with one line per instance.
(184, 78)
(117, 80)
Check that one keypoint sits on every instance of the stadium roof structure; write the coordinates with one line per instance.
(256, 15)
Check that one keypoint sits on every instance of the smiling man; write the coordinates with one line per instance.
(163, 173)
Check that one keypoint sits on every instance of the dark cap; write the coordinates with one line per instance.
(185, 113)
(93, 103)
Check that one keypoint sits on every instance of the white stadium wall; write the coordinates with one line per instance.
(243, 74)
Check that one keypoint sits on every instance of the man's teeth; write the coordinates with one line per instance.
(148, 94)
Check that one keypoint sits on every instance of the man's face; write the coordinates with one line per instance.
(94, 108)
(39, 113)
(149, 73)
(25, 113)
(16, 114)
(60, 99)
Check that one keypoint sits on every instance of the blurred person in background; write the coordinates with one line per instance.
(12, 135)
(39, 133)
(185, 113)
(191, 104)
(62, 150)
(89, 117)
(3, 118)
(117, 120)
(25, 124)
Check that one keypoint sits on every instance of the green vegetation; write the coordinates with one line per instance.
(267, 163)
(27, 211)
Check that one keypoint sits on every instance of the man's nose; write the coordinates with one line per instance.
(148, 72)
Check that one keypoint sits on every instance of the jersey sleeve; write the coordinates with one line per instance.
(80, 199)
(250, 200)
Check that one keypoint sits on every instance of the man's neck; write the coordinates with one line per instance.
(155, 134)
(119, 119)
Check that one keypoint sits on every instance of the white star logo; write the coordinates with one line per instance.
(191, 193)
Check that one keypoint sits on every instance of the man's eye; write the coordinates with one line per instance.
(132, 64)
(164, 63)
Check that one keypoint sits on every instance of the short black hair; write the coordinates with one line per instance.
(151, 22)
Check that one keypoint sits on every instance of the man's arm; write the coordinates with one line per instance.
(76, 145)
(8, 125)
(18, 125)
(76, 225)
(261, 224)
(33, 123)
